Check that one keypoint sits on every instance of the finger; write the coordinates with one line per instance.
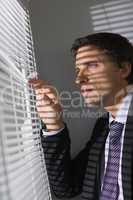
(42, 90)
(53, 127)
(38, 83)
(42, 103)
(49, 98)
(49, 94)
(41, 86)
(41, 97)
(44, 97)
(49, 114)
(50, 121)
(49, 89)
(47, 108)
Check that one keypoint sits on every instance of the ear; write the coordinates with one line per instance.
(125, 70)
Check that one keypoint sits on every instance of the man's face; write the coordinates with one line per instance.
(98, 76)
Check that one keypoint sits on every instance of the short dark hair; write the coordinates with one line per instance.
(118, 47)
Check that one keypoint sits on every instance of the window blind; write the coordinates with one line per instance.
(23, 173)
(113, 16)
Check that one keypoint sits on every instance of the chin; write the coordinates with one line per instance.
(93, 104)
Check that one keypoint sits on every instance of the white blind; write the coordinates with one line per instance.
(23, 173)
(113, 16)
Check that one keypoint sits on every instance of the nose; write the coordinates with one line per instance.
(81, 78)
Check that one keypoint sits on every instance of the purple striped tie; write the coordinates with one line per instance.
(110, 189)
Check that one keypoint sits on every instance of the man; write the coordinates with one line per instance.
(104, 168)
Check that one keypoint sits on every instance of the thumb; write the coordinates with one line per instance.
(48, 99)
(52, 99)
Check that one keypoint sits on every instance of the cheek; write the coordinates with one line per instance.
(105, 77)
(101, 78)
(110, 82)
(104, 82)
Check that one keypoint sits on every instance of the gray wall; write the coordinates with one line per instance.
(55, 25)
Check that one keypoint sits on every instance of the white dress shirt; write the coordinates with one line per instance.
(121, 117)
(50, 133)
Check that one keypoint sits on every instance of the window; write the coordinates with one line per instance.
(114, 16)
(23, 173)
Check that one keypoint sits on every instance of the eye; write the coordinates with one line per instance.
(92, 64)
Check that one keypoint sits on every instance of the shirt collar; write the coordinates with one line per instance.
(121, 115)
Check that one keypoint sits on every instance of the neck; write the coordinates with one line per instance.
(114, 106)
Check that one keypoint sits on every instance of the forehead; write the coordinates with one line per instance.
(88, 53)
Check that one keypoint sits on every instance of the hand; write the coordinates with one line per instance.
(47, 104)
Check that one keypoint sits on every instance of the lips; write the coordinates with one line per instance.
(87, 93)
(86, 88)
(90, 94)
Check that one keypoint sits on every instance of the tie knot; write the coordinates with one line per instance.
(116, 129)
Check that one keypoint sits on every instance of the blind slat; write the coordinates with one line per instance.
(23, 173)
(115, 16)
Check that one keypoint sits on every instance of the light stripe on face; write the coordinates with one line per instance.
(87, 54)
(89, 62)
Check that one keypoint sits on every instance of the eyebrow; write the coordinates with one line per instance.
(87, 63)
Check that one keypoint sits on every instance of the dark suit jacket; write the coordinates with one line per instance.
(69, 178)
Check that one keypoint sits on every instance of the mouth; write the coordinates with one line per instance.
(90, 96)
(85, 89)
(88, 93)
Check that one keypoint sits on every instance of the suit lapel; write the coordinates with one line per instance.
(95, 169)
(127, 157)
(92, 176)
